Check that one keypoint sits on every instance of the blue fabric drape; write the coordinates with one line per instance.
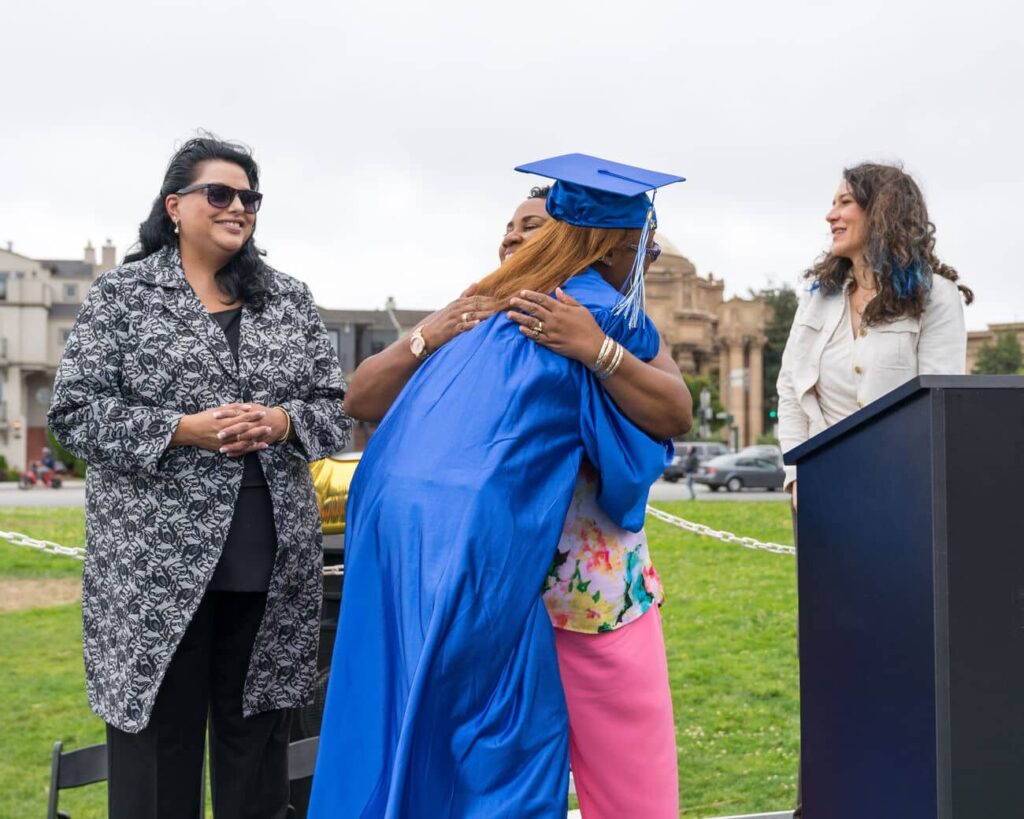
(444, 697)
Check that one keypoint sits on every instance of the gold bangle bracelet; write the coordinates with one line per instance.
(613, 363)
(601, 371)
(287, 429)
(616, 361)
(602, 356)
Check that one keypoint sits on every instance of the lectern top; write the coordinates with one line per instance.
(898, 396)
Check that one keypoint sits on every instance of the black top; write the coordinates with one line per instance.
(251, 545)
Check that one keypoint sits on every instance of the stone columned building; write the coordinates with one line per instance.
(707, 334)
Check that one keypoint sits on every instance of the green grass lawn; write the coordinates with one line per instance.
(62, 525)
(730, 628)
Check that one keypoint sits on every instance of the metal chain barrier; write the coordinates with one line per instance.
(49, 547)
(727, 537)
(78, 553)
(18, 539)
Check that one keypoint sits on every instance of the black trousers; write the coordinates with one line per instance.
(157, 773)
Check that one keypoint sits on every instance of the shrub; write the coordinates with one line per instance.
(75, 466)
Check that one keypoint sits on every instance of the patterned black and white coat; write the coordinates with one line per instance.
(144, 351)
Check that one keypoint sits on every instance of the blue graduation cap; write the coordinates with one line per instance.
(594, 192)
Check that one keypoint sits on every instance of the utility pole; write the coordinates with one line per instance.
(705, 413)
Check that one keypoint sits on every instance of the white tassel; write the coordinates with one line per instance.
(634, 298)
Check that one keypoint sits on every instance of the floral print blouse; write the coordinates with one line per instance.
(602, 576)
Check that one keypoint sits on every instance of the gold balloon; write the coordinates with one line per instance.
(331, 479)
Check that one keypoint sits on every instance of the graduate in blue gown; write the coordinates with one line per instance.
(444, 698)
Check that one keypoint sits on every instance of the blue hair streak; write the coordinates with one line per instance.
(907, 280)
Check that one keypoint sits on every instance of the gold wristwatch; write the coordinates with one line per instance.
(418, 344)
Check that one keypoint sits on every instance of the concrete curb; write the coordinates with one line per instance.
(74, 483)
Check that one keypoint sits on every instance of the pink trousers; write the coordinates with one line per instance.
(622, 743)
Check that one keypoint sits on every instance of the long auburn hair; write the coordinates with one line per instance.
(900, 248)
(552, 256)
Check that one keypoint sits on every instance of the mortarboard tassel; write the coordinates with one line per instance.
(634, 299)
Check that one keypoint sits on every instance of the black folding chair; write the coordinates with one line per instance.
(302, 758)
(73, 769)
(86, 766)
(301, 763)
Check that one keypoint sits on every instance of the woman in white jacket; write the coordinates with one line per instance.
(880, 309)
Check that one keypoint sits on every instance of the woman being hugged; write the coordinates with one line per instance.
(198, 383)
(444, 697)
(601, 591)
(881, 308)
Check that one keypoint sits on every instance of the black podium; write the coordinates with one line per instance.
(911, 582)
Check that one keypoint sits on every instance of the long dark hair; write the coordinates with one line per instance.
(900, 249)
(244, 276)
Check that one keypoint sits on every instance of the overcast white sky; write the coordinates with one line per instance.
(387, 132)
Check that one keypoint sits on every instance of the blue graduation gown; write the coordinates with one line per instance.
(444, 698)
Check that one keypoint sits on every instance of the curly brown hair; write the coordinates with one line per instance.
(900, 248)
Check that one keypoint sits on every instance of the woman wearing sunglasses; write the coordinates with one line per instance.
(602, 592)
(198, 383)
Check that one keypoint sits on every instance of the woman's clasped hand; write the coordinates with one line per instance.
(233, 429)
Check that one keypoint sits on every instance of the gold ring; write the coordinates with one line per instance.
(540, 327)
(465, 317)
(535, 332)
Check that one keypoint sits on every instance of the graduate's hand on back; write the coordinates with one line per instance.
(463, 314)
(561, 324)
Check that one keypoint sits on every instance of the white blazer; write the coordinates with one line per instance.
(888, 355)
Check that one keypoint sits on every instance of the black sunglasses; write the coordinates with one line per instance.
(221, 196)
(652, 252)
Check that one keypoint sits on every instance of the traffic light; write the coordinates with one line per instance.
(773, 407)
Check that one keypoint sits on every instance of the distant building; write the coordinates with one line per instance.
(709, 335)
(39, 299)
(358, 334)
(979, 338)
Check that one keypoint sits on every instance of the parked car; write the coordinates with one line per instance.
(739, 471)
(768, 452)
(706, 450)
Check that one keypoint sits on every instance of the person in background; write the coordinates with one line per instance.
(197, 384)
(691, 465)
(880, 309)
